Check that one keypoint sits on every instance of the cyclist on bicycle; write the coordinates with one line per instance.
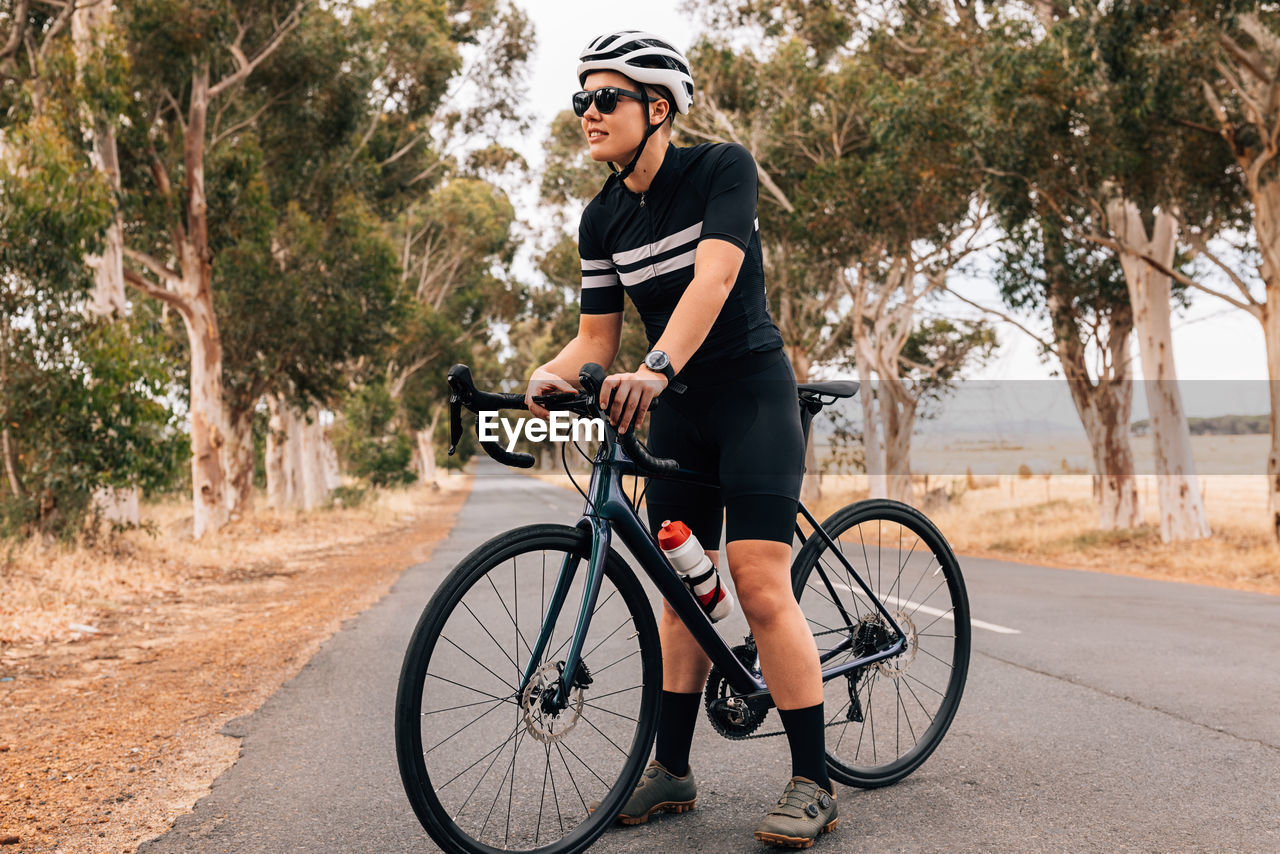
(676, 229)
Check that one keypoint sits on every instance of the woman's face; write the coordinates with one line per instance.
(614, 136)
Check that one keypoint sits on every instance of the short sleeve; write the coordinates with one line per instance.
(731, 197)
(601, 288)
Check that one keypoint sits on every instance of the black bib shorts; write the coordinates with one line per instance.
(740, 422)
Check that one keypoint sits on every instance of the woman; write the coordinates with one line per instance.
(676, 230)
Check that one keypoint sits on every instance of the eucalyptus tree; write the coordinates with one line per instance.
(1075, 146)
(1228, 54)
(80, 402)
(856, 125)
(1026, 126)
(268, 151)
(455, 230)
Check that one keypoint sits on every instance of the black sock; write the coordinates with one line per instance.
(807, 735)
(676, 718)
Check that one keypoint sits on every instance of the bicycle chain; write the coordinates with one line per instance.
(782, 731)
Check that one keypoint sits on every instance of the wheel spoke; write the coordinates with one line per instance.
(479, 662)
(910, 556)
(470, 756)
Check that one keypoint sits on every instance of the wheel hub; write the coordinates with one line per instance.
(545, 719)
(897, 665)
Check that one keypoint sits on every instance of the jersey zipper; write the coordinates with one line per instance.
(642, 200)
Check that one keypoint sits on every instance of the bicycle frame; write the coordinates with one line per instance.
(607, 508)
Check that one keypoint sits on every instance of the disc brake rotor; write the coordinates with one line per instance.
(896, 666)
(542, 719)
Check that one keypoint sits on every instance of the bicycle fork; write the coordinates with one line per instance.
(573, 673)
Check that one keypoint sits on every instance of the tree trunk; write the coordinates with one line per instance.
(8, 453)
(209, 423)
(1104, 406)
(425, 445)
(1116, 487)
(426, 455)
(277, 439)
(898, 417)
(302, 468)
(1182, 515)
(315, 480)
(238, 462)
(1271, 323)
(872, 451)
(90, 27)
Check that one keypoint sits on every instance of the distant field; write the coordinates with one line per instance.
(947, 455)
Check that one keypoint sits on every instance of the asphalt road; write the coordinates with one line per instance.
(1123, 715)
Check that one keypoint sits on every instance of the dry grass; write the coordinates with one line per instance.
(107, 736)
(45, 589)
(1052, 520)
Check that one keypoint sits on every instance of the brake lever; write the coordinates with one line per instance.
(455, 421)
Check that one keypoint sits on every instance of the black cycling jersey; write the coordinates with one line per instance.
(644, 244)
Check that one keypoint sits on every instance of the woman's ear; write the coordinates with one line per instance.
(659, 109)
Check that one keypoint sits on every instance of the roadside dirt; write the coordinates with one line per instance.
(105, 739)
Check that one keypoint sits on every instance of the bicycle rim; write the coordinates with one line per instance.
(885, 719)
(486, 763)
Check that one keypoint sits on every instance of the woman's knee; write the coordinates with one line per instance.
(763, 594)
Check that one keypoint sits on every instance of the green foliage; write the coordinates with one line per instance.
(368, 442)
(87, 406)
(1219, 425)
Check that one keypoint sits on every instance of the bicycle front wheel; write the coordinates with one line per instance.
(494, 761)
(885, 719)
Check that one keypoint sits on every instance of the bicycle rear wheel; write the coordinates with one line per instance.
(885, 719)
(493, 764)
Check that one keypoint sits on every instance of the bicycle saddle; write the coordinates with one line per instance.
(835, 388)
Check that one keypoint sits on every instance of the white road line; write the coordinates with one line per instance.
(937, 612)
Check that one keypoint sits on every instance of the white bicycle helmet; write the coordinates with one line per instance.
(644, 58)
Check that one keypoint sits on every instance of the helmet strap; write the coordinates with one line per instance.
(650, 130)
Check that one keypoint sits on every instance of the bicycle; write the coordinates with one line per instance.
(575, 680)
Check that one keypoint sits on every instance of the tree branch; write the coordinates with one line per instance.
(245, 66)
(14, 41)
(1176, 275)
(153, 290)
(272, 101)
(1199, 247)
(56, 27)
(161, 270)
(1242, 56)
(1007, 318)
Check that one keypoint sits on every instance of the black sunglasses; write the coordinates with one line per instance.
(606, 98)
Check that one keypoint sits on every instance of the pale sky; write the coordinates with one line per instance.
(1211, 342)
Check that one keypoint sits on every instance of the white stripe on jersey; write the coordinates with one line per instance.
(672, 241)
(602, 264)
(671, 265)
(599, 281)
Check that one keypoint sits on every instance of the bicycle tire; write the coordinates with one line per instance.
(478, 579)
(928, 686)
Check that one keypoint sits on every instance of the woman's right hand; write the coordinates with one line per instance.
(541, 382)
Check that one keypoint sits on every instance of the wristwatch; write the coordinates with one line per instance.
(660, 362)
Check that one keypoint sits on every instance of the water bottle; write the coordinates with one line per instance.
(685, 553)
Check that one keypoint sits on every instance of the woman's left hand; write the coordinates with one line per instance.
(628, 396)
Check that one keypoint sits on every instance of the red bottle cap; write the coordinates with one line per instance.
(673, 535)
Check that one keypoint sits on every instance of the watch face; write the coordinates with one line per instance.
(657, 360)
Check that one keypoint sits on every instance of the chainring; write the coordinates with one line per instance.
(731, 716)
